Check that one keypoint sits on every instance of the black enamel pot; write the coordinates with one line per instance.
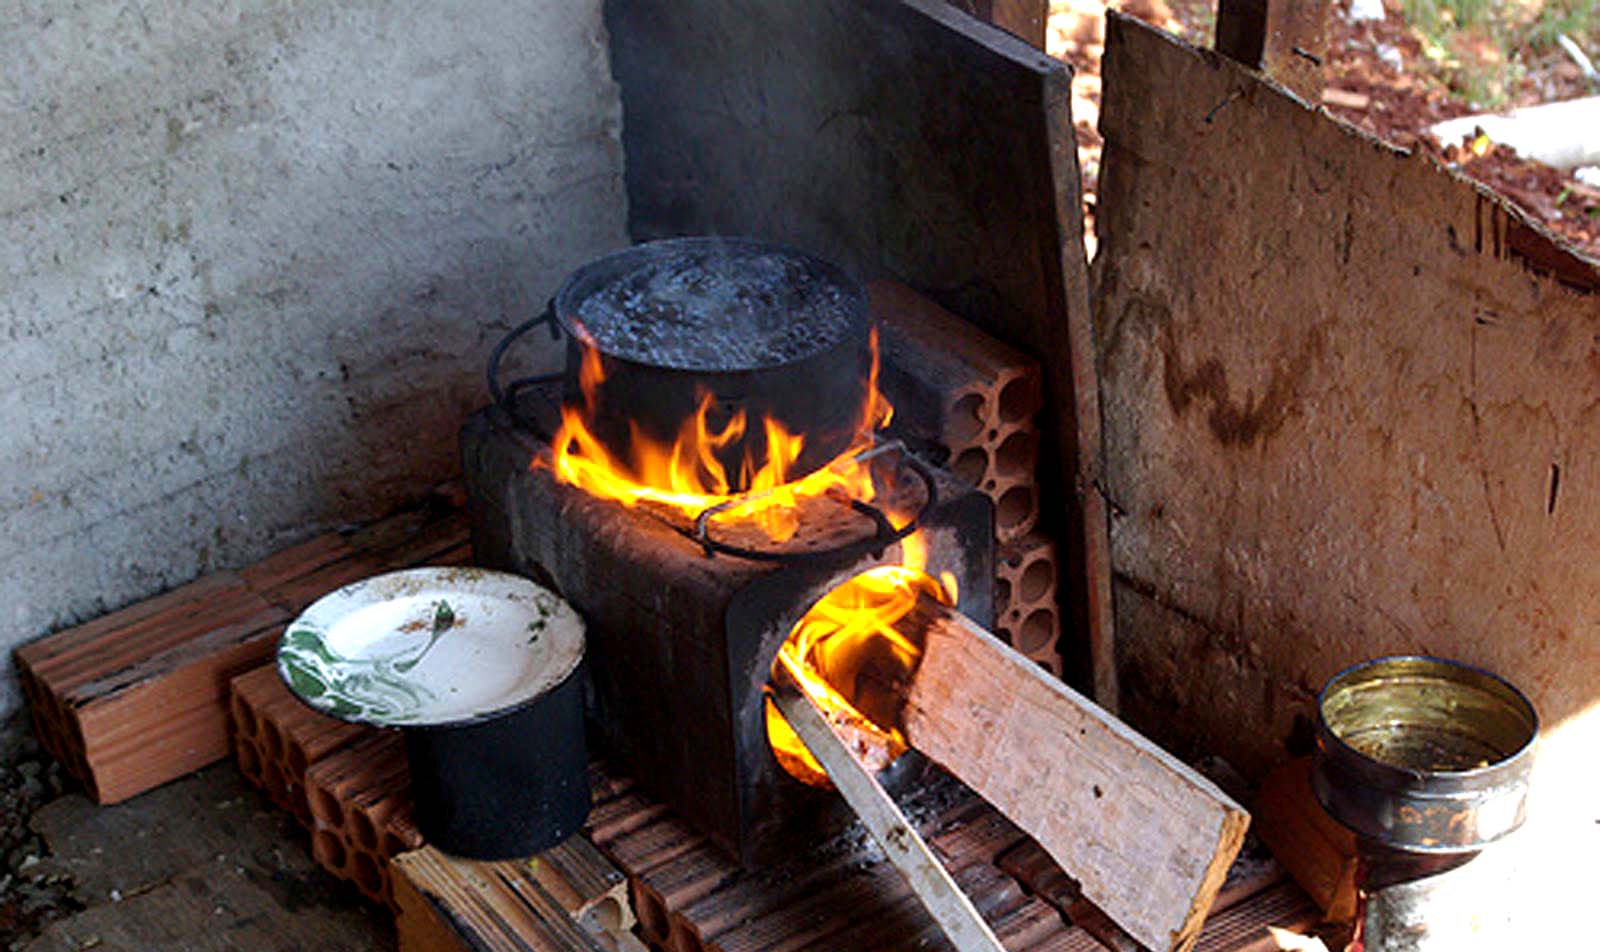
(740, 326)
(507, 786)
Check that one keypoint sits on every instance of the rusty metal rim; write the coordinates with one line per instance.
(1343, 678)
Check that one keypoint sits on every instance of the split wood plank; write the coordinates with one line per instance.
(1148, 839)
(944, 900)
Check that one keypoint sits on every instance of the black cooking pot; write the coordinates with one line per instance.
(507, 785)
(760, 328)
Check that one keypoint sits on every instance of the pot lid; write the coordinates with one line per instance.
(712, 304)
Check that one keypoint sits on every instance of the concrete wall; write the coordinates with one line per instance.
(252, 257)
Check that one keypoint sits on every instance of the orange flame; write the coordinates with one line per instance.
(847, 644)
(690, 477)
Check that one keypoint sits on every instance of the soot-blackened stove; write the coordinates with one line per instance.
(685, 614)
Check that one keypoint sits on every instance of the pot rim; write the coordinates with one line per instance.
(1344, 750)
(563, 305)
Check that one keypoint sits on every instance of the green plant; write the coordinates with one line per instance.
(1482, 48)
(1579, 19)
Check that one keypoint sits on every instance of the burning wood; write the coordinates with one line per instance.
(1148, 839)
(850, 657)
(932, 883)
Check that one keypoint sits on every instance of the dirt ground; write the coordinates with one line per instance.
(203, 863)
(1377, 78)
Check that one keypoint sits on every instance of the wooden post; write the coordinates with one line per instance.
(1025, 18)
(1286, 39)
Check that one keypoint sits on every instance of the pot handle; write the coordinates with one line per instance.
(505, 398)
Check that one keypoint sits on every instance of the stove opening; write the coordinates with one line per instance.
(852, 654)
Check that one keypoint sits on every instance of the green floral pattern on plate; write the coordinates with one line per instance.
(357, 688)
(489, 640)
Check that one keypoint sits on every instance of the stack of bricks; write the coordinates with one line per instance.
(348, 784)
(136, 698)
(139, 697)
(361, 816)
(970, 403)
(1026, 614)
(351, 787)
(690, 898)
(276, 738)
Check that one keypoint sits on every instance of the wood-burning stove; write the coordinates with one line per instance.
(687, 609)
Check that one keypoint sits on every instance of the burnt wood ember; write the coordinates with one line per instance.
(681, 643)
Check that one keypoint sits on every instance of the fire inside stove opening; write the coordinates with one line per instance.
(689, 477)
(848, 656)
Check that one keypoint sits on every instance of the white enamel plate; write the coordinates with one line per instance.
(430, 646)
